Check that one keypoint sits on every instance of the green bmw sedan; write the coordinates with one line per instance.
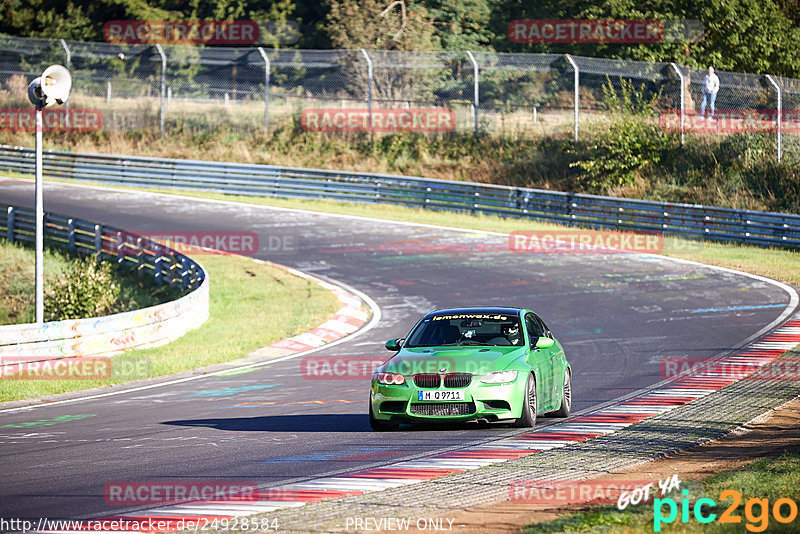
(489, 363)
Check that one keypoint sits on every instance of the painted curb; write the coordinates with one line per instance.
(350, 318)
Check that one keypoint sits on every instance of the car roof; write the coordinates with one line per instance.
(478, 309)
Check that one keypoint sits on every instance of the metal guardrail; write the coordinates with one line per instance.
(571, 209)
(95, 336)
(148, 258)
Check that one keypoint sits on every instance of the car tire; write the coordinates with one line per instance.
(528, 418)
(380, 426)
(566, 396)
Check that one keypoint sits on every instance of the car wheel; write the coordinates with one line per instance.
(377, 425)
(566, 396)
(528, 418)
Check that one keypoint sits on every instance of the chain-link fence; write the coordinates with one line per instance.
(173, 88)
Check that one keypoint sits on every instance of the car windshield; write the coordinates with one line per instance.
(489, 329)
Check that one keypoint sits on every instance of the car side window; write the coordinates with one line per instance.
(534, 328)
(543, 327)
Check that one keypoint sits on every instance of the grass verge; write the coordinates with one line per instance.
(251, 305)
(764, 478)
(776, 263)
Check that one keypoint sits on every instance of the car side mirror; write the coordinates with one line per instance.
(544, 343)
(394, 344)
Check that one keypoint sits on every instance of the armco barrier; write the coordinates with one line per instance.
(147, 327)
(589, 211)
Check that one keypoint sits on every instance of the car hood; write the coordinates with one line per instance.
(472, 360)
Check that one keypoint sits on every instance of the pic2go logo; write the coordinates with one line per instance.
(784, 510)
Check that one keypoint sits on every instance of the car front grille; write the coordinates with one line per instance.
(443, 408)
(426, 380)
(457, 380)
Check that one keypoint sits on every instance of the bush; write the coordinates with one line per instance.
(615, 157)
(89, 290)
(632, 142)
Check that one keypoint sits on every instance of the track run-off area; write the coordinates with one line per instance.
(619, 316)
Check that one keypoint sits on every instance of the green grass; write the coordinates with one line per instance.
(764, 478)
(17, 280)
(776, 263)
(17, 283)
(252, 304)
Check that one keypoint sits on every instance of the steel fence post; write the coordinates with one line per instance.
(577, 94)
(119, 246)
(369, 87)
(98, 240)
(266, 86)
(140, 256)
(476, 94)
(10, 224)
(158, 275)
(71, 235)
(683, 101)
(780, 114)
(163, 85)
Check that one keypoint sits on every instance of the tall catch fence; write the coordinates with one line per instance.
(170, 88)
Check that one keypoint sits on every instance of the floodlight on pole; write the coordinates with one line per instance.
(51, 88)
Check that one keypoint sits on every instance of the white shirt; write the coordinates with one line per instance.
(710, 83)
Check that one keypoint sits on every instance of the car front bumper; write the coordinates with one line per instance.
(494, 402)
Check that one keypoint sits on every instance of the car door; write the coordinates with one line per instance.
(541, 359)
(556, 361)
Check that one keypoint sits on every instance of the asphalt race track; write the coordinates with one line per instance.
(617, 315)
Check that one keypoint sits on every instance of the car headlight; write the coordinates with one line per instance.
(499, 377)
(392, 379)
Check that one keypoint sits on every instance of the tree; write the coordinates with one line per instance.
(380, 25)
(462, 24)
(759, 36)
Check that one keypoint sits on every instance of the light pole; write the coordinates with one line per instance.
(51, 88)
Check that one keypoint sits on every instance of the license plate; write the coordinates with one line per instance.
(440, 395)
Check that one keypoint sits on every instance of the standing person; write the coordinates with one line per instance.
(710, 90)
